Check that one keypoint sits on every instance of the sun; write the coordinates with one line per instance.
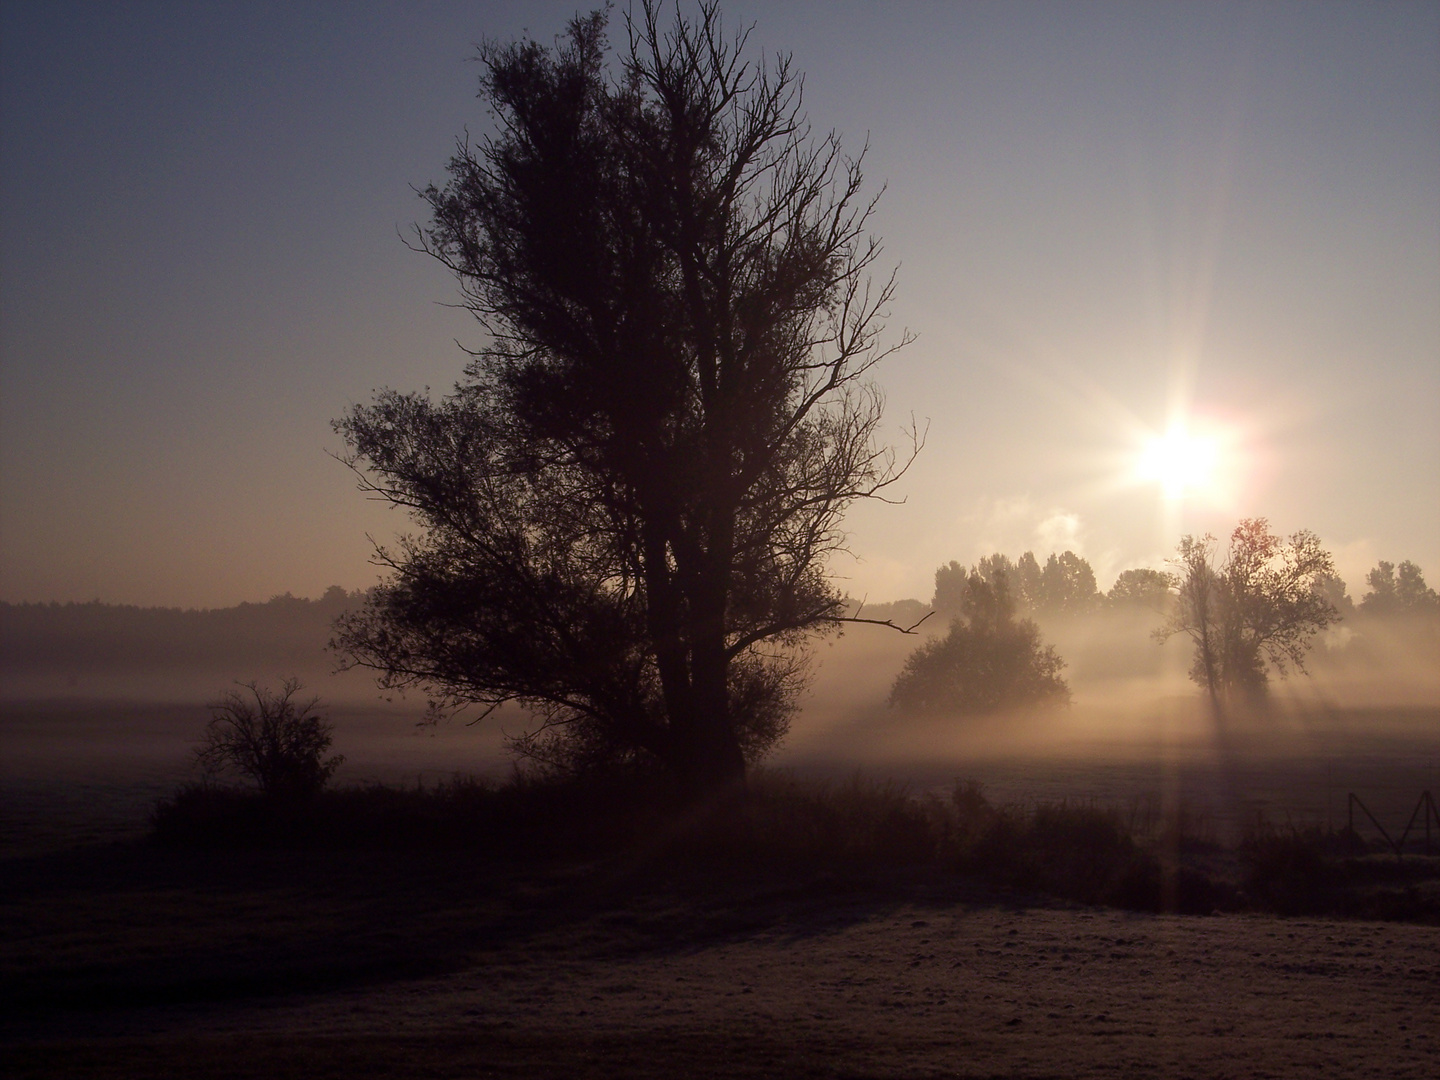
(1179, 461)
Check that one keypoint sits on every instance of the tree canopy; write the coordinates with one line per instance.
(628, 503)
(1332, 588)
(272, 738)
(1259, 608)
(1398, 591)
(1141, 588)
(988, 661)
(1065, 585)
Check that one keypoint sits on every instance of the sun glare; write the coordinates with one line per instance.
(1180, 462)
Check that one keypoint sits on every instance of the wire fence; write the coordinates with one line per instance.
(1425, 814)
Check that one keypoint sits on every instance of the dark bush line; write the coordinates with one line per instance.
(522, 820)
(1071, 851)
(1322, 872)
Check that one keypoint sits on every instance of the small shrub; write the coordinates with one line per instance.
(202, 816)
(1084, 853)
(1289, 872)
(781, 821)
(271, 739)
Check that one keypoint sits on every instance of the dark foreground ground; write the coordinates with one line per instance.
(124, 960)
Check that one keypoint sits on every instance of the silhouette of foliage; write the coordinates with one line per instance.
(1332, 588)
(1067, 586)
(270, 738)
(1026, 582)
(1142, 587)
(951, 583)
(1064, 586)
(1396, 592)
(1259, 607)
(989, 660)
(629, 501)
(249, 635)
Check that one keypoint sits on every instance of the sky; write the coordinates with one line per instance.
(1111, 221)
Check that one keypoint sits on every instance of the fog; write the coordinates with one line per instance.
(1130, 694)
(90, 692)
(1125, 686)
(88, 652)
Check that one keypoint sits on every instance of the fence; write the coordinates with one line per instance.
(1425, 811)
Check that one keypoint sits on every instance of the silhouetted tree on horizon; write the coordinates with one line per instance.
(1141, 587)
(1064, 586)
(627, 504)
(1027, 582)
(988, 661)
(278, 633)
(1396, 591)
(1332, 588)
(1258, 608)
(1067, 585)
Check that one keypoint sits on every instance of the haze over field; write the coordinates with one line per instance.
(1124, 685)
(1169, 266)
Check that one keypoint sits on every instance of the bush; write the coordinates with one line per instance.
(988, 661)
(525, 820)
(1293, 871)
(780, 821)
(271, 739)
(1076, 852)
(868, 828)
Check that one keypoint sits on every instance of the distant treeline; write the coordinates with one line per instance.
(1065, 585)
(289, 634)
(283, 634)
(1397, 591)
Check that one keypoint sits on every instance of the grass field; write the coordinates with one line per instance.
(92, 771)
(125, 962)
(119, 958)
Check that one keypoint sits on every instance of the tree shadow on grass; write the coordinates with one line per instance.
(104, 931)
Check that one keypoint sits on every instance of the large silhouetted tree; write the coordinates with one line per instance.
(628, 503)
(1258, 608)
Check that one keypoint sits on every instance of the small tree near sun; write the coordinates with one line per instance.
(271, 739)
(1258, 609)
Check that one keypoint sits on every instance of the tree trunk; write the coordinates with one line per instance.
(717, 760)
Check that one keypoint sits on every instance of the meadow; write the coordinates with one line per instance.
(836, 949)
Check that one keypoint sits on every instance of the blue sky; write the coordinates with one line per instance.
(1108, 217)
